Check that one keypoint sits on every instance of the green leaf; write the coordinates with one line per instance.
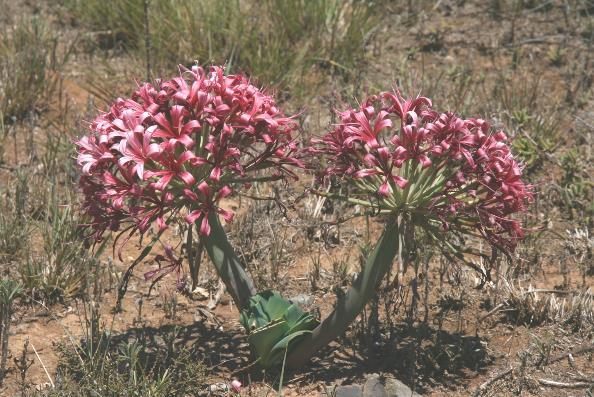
(293, 315)
(274, 323)
(263, 339)
(275, 307)
(285, 344)
(306, 322)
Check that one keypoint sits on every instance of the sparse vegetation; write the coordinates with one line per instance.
(63, 266)
(470, 323)
(9, 291)
(28, 66)
(279, 42)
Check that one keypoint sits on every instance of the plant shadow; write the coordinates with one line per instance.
(226, 351)
(419, 356)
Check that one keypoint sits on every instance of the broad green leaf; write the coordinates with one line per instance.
(274, 323)
(263, 339)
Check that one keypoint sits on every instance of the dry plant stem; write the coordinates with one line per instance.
(586, 348)
(44, 367)
(227, 264)
(580, 350)
(147, 39)
(5, 315)
(362, 290)
(5, 329)
(123, 287)
(564, 385)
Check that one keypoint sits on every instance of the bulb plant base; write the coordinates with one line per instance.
(275, 325)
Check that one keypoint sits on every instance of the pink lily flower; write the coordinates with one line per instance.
(176, 148)
(466, 171)
(137, 148)
(178, 130)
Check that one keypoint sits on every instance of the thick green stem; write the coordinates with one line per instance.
(241, 287)
(238, 282)
(194, 254)
(362, 290)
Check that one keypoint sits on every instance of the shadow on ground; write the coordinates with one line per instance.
(419, 356)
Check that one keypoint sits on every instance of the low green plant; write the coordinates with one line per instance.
(274, 325)
(14, 234)
(534, 125)
(15, 225)
(576, 187)
(9, 291)
(107, 368)
(536, 138)
(61, 268)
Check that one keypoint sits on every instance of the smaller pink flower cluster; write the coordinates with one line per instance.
(178, 147)
(408, 158)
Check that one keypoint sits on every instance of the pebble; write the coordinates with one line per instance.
(374, 386)
(302, 300)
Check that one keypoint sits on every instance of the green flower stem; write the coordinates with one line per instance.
(228, 266)
(241, 287)
(362, 290)
(194, 253)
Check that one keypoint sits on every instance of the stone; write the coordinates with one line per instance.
(374, 387)
(395, 388)
(302, 300)
(349, 391)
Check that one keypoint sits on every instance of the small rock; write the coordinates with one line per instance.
(200, 293)
(395, 388)
(373, 387)
(218, 387)
(302, 300)
(349, 391)
(376, 386)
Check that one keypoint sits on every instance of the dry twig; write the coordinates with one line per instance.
(565, 385)
(43, 365)
(582, 349)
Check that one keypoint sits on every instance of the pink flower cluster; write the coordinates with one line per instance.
(178, 147)
(407, 157)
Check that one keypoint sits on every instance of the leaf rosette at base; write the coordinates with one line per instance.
(274, 325)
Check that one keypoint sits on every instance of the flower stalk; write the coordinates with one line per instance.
(238, 282)
(362, 290)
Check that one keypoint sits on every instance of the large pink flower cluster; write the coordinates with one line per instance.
(405, 157)
(178, 147)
